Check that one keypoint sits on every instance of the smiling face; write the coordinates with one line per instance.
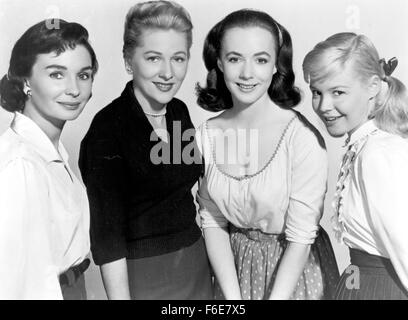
(247, 59)
(60, 85)
(343, 100)
(159, 66)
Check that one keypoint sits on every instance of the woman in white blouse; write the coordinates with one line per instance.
(354, 94)
(44, 211)
(261, 196)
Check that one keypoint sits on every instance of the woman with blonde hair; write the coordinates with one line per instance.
(144, 234)
(355, 95)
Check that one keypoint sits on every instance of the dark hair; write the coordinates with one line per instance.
(39, 39)
(216, 96)
(162, 15)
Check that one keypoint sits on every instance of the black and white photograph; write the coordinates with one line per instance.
(203, 150)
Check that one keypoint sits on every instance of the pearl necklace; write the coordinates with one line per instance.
(156, 115)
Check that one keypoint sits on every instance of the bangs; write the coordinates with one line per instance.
(319, 66)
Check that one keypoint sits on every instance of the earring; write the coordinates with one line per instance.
(27, 92)
(129, 70)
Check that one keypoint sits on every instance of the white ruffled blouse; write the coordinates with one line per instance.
(371, 200)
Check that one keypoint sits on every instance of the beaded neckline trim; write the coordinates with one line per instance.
(248, 176)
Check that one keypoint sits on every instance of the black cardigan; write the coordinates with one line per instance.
(138, 209)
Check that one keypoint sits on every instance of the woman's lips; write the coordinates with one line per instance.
(70, 105)
(164, 87)
(246, 87)
(330, 120)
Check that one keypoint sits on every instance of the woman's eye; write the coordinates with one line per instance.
(153, 59)
(338, 92)
(56, 75)
(179, 59)
(233, 59)
(315, 93)
(262, 60)
(84, 76)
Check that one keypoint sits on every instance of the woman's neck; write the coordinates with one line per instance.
(148, 105)
(253, 113)
(358, 126)
(364, 118)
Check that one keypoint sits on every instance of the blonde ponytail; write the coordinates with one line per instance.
(391, 113)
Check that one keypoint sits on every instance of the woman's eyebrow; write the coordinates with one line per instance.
(262, 53)
(56, 66)
(233, 53)
(60, 67)
(153, 51)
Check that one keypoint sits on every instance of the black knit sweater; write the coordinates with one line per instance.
(138, 208)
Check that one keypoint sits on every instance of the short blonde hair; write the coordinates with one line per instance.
(160, 14)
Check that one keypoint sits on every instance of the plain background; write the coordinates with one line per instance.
(383, 21)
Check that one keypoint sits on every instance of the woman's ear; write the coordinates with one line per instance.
(219, 64)
(128, 68)
(26, 88)
(374, 86)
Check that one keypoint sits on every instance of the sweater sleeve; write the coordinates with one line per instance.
(102, 168)
(308, 185)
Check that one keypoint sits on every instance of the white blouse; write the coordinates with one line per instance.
(286, 196)
(44, 214)
(371, 202)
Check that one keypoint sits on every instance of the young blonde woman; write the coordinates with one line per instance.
(355, 95)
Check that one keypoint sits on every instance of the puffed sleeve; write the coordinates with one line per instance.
(210, 215)
(384, 182)
(27, 270)
(102, 168)
(308, 184)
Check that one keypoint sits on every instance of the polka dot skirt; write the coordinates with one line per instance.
(257, 256)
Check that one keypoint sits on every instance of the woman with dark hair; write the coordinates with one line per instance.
(144, 233)
(44, 214)
(261, 196)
